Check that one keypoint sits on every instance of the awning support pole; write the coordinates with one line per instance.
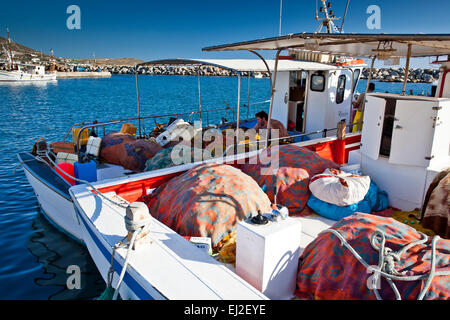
(408, 59)
(365, 94)
(199, 95)
(138, 103)
(272, 93)
(238, 107)
(272, 84)
(248, 102)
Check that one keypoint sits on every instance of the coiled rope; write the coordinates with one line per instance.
(388, 258)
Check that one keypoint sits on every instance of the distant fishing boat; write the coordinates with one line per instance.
(25, 73)
(22, 72)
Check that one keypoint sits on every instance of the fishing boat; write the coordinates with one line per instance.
(23, 72)
(310, 113)
(26, 73)
(404, 145)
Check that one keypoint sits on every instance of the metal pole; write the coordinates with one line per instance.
(270, 75)
(138, 103)
(248, 102)
(345, 14)
(238, 107)
(281, 13)
(365, 94)
(407, 68)
(271, 96)
(199, 95)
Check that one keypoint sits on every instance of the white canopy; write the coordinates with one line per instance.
(246, 65)
(355, 45)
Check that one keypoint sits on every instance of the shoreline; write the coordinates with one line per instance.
(417, 75)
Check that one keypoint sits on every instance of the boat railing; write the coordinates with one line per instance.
(261, 143)
(103, 124)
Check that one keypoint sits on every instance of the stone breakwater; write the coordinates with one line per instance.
(398, 75)
(379, 74)
(178, 71)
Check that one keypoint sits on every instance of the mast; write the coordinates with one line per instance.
(328, 21)
(52, 61)
(10, 50)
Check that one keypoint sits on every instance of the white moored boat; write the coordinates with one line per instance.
(165, 265)
(27, 73)
(22, 72)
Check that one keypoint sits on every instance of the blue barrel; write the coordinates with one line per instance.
(86, 171)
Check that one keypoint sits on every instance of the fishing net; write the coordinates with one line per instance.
(291, 174)
(208, 201)
(328, 270)
(125, 150)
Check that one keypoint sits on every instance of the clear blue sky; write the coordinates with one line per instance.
(171, 28)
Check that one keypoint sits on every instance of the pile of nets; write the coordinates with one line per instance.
(287, 168)
(127, 151)
(329, 270)
(208, 201)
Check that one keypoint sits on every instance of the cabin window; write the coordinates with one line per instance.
(356, 74)
(318, 82)
(340, 89)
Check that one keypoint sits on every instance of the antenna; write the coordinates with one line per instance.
(343, 19)
(9, 38)
(281, 13)
(328, 21)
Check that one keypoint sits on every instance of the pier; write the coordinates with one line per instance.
(71, 75)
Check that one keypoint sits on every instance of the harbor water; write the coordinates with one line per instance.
(35, 256)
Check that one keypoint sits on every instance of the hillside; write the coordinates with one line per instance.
(28, 55)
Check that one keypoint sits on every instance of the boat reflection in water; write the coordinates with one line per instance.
(56, 252)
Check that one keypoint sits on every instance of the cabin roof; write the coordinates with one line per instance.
(245, 65)
(355, 45)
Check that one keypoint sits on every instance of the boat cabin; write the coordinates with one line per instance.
(405, 138)
(309, 96)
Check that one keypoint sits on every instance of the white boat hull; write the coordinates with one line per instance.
(24, 76)
(57, 208)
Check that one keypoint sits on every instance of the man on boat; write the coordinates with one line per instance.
(262, 118)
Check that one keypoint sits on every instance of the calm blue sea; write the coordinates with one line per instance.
(34, 255)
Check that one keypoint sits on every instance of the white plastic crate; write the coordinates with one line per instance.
(93, 146)
(66, 157)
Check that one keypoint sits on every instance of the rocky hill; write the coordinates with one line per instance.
(24, 54)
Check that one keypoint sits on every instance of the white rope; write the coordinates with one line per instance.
(387, 258)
